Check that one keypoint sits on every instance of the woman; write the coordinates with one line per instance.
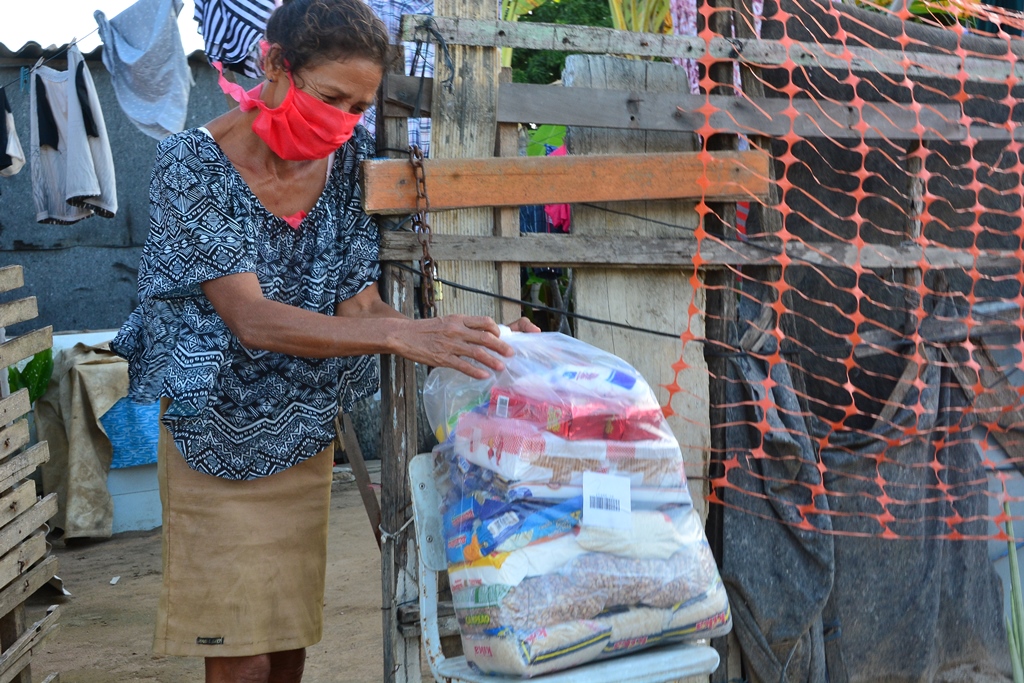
(258, 313)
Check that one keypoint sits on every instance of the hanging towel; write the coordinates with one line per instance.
(231, 31)
(72, 166)
(142, 51)
(12, 158)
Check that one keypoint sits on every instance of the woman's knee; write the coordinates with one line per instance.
(254, 669)
(287, 666)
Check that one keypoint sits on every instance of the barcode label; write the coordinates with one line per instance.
(501, 410)
(603, 503)
(496, 527)
(606, 500)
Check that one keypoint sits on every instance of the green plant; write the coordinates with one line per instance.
(642, 16)
(1015, 621)
(542, 135)
(545, 66)
(511, 10)
(35, 376)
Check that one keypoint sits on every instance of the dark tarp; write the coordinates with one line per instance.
(817, 605)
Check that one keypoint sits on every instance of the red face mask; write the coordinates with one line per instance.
(303, 128)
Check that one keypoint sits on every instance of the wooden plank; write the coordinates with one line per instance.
(506, 223)
(14, 563)
(680, 112)
(665, 298)
(17, 668)
(654, 252)
(14, 406)
(29, 583)
(25, 346)
(346, 434)
(389, 186)
(26, 523)
(398, 446)
(13, 437)
(17, 501)
(17, 656)
(464, 125)
(11, 277)
(20, 465)
(597, 40)
(18, 311)
(401, 657)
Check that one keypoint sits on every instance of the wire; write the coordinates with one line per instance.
(57, 54)
(538, 307)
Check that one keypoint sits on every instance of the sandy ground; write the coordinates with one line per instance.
(106, 630)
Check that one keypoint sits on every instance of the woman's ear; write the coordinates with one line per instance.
(273, 62)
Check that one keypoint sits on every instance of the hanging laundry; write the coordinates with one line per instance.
(12, 158)
(559, 215)
(231, 31)
(142, 51)
(72, 166)
(419, 61)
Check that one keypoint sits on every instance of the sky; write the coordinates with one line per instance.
(56, 22)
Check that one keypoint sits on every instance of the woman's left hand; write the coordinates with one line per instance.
(523, 325)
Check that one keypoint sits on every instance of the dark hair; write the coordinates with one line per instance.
(314, 31)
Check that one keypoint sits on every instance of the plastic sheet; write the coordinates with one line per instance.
(569, 530)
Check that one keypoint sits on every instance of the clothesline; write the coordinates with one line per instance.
(49, 59)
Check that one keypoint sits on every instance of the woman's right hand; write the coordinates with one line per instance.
(451, 340)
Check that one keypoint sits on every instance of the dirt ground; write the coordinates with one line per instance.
(106, 630)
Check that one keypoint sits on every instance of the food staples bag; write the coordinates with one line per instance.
(569, 530)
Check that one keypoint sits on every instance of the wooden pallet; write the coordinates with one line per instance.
(25, 564)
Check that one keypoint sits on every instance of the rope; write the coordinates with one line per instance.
(59, 53)
(387, 537)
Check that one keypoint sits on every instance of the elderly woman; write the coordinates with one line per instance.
(258, 314)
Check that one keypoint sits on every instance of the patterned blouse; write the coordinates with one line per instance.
(240, 413)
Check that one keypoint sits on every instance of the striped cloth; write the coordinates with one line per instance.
(231, 31)
(391, 11)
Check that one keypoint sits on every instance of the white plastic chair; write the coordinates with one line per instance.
(657, 665)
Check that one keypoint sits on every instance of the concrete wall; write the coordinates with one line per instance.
(84, 275)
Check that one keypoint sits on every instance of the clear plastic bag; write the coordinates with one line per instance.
(569, 530)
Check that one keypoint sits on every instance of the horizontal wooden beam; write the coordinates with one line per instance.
(390, 187)
(25, 555)
(14, 406)
(16, 468)
(681, 112)
(26, 585)
(13, 437)
(25, 524)
(25, 346)
(766, 53)
(572, 250)
(16, 501)
(18, 311)
(11, 277)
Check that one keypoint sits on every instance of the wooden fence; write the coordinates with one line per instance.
(25, 562)
(621, 112)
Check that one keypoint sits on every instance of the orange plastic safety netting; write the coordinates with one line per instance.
(874, 383)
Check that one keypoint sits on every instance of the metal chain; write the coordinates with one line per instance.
(430, 288)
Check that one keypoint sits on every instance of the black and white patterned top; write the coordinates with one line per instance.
(239, 413)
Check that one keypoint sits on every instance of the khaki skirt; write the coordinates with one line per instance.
(244, 561)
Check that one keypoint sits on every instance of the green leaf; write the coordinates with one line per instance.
(511, 10)
(36, 374)
(544, 135)
(14, 379)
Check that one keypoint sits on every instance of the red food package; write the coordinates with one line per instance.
(593, 419)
